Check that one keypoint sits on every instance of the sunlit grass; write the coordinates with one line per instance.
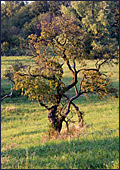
(24, 124)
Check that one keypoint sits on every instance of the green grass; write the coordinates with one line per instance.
(24, 124)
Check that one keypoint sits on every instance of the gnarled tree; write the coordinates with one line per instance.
(63, 42)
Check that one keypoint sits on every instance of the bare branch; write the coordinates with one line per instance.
(42, 104)
(73, 98)
(88, 69)
(74, 65)
(74, 82)
(69, 66)
(76, 90)
(99, 65)
(76, 108)
(105, 61)
(8, 95)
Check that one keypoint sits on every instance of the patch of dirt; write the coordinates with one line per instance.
(10, 109)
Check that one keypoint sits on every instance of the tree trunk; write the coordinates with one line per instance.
(55, 120)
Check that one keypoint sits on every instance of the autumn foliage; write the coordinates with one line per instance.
(63, 41)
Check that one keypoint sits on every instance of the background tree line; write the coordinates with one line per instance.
(19, 19)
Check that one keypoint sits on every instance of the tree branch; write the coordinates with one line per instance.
(8, 95)
(37, 75)
(76, 108)
(87, 69)
(60, 43)
(69, 66)
(42, 104)
(70, 101)
(99, 65)
(74, 65)
(74, 82)
(76, 90)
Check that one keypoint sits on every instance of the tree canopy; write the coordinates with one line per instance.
(68, 37)
(63, 39)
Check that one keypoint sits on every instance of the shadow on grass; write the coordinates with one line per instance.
(80, 154)
(7, 119)
(29, 133)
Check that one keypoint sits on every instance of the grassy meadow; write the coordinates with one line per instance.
(25, 143)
